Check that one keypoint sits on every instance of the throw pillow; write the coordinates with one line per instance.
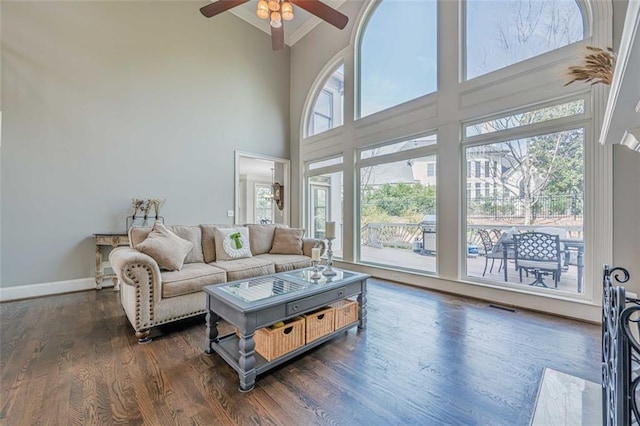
(261, 237)
(287, 241)
(165, 247)
(232, 243)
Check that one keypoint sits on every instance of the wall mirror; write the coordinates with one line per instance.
(261, 189)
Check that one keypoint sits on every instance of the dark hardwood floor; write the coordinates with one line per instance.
(425, 358)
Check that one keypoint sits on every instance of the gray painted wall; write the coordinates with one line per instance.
(626, 208)
(105, 101)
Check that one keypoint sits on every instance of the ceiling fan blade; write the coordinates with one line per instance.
(324, 12)
(220, 6)
(277, 37)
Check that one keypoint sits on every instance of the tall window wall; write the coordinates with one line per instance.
(510, 145)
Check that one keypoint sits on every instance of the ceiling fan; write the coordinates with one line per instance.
(278, 11)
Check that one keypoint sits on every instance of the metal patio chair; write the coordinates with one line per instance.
(490, 251)
(538, 253)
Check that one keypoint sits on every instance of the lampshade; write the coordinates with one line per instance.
(263, 9)
(276, 20)
(274, 5)
(287, 11)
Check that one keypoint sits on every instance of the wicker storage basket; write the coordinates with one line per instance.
(319, 323)
(346, 312)
(273, 343)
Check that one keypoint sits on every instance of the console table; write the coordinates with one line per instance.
(259, 302)
(112, 240)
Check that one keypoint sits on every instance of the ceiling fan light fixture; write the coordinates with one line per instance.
(263, 9)
(287, 11)
(274, 5)
(276, 20)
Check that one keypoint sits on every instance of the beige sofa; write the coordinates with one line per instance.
(152, 296)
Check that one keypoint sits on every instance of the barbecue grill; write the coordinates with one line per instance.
(428, 226)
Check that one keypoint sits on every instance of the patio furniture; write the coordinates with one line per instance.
(490, 251)
(540, 254)
(562, 233)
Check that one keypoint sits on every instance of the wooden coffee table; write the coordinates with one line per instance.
(259, 302)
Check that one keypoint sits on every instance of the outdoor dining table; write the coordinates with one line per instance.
(569, 244)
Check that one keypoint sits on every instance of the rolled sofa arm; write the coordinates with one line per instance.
(309, 243)
(140, 276)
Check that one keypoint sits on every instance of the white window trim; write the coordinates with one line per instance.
(476, 99)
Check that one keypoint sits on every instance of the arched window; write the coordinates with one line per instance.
(502, 33)
(398, 54)
(327, 109)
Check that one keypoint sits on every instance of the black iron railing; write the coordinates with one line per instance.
(620, 351)
(543, 207)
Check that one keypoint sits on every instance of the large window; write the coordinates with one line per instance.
(514, 149)
(327, 111)
(325, 200)
(502, 33)
(398, 205)
(398, 54)
(538, 186)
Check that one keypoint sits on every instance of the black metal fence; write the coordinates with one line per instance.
(543, 207)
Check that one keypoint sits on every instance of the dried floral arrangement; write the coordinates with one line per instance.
(597, 67)
(137, 205)
(155, 204)
(145, 206)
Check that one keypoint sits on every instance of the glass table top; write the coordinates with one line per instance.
(305, 274)
(261, 288)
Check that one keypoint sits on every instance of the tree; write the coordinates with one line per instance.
(399, 200)
(537, 166)
(524, 29)
(546, 164)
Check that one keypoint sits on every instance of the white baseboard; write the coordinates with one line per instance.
(46, 289)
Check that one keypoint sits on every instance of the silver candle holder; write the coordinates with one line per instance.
(328, 271)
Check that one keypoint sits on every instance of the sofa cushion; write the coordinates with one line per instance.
(138, 234)
(232, 243)
(165, 247)
(287, 262)
(241, 269)
(190, 279)
(287, 241)
(209, 241)
(193, 234)
(261, 237)
(189, 233)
